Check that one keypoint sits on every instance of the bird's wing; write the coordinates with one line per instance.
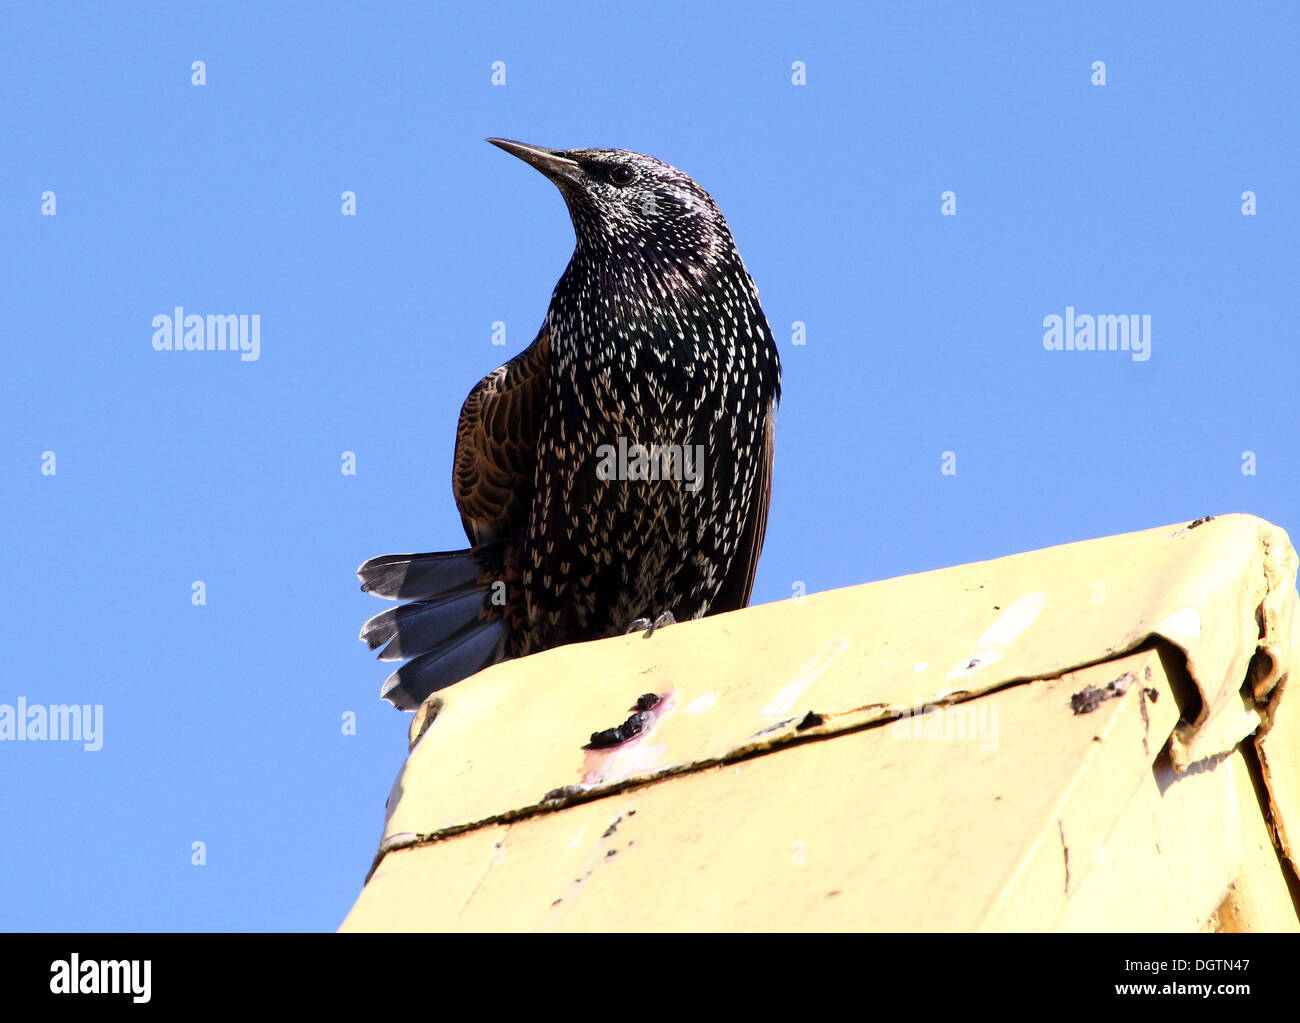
(496, 445)
(736, 588)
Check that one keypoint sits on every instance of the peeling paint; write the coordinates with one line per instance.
(1005, 630)
(783, 699)
(702, 703)
(1185, 623)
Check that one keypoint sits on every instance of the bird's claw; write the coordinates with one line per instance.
(638, 624)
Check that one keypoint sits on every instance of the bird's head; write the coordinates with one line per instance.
(628, 203)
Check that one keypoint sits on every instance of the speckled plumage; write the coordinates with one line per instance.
(654, 336)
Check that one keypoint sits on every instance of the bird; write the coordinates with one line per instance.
(616, 474)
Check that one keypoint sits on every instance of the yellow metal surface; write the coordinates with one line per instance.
(772, 772)
(922, 823)
(1261, 897)
(1185, 846)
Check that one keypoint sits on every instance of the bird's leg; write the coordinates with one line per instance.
(637, 624)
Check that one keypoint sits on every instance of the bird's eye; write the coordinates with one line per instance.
(621, 174)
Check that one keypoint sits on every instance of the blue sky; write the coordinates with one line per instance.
(924, 334)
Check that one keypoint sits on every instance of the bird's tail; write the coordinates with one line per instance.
(447, 631)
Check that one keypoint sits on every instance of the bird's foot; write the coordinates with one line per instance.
(665, 618)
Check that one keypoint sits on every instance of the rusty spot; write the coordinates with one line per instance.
(1066, 850)
(636, 724)
(1146, 720)
(633, 726)
(1088, 699)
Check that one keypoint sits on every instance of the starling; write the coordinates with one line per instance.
(616, 473)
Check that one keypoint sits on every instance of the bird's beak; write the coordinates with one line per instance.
(550, 162)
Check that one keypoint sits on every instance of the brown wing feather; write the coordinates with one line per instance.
(740, 580)
(496, 444)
